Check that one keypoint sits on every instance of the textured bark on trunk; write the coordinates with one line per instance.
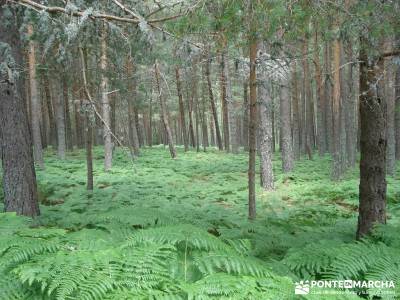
(336, 111)
(68, 129)
(60, 121)
(265, 132)
(164, 114)
(224, 101)
(132, 129)
(372, 207)
(19, 178)
(78, 96)
(397, 113)
(105, 103)
(245, 126)
(34, 104)
(321, 100)
(213, 105)
(252, 129)
(328, 98)
(286, 130)
(350, 104)
(390, 100)
(181, 109)
(50, 110)
(309, 110)
(295, 113)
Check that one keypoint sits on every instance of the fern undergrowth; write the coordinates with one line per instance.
(178, 229)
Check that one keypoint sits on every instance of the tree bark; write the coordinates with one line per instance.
(132, 128)
(328, 98)
(390, 100)
(336, 111)
(164, 114)
(19, 178)
(105, 103)
(295, 113)
(265, 132)
(35, 104)
(60, 121)
(245, 126)
(50, 110)
(397, 112)
(181, 109)
(213, 105)
(286, 129)
(68, 129)
(252, 129)
(321, 100)
(224, 101)
(372, 207)
(308, 103)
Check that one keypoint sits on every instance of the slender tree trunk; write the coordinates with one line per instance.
(181, 109)
(213, 105)
(308, 103)
(50, 110)
(286, 130)
(105, 103)
(68, 130)
(224, 101)
(60, 121)
(321, 100)
(336, 111)
(397, 111)
(252, 129)
(89, 155)
(245, 116)
(19, 178)
(131, 99)
(372, 208)
(79, 126)
(35, 104)
(328, 98)
(164, 114)
(295, 113)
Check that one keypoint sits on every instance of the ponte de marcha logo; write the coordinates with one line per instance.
(305, 287)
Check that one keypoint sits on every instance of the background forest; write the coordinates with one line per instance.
(199, 149)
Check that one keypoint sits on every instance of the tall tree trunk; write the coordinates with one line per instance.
(50, 110)
(245, 126)
(397, 111)
(328, 98)
(105, 103)
(350, 110)
(321, 100)
(252, 129)
(390, 104)
(213, 105)
(372, 208)
(19, 178)
(132, 128)
(265, 132)
(224, 101)
(60, 121)
(35, 104)
(336, 111)
(286, 130)
(308, 102)
(164, 114)
(68, 129)
(181, 109)
(295, 113)
(79, 126)
(89, 155)
(233, 134)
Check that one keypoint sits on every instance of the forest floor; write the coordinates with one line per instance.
(306, 216)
